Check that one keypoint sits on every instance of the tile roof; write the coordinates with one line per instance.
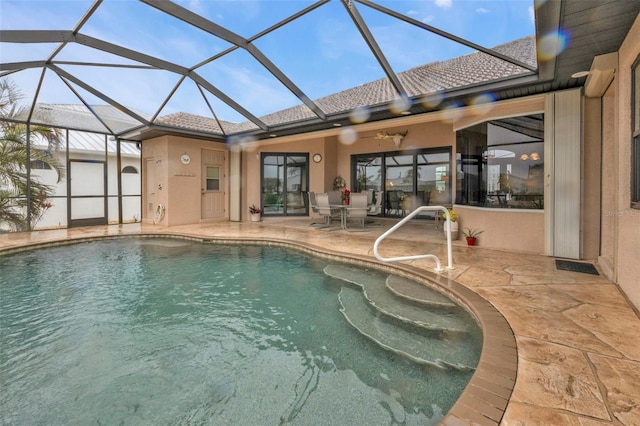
(472, 69)
(74, 116)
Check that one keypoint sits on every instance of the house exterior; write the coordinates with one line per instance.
(98, 173)
(584, 169)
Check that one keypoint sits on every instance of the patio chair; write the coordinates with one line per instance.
(311, 196)
(335, 197)
(375, 208)
(370, 196)
(325, 210)
(358, 208)
(394, 202)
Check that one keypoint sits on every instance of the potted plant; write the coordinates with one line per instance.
(346, 196)
(452, 223)
(255, 213)
(471, 235)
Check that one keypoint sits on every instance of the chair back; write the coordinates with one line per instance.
(335, 197)
(376, 207)
(322, 201)
(312, 202)
(358, 205)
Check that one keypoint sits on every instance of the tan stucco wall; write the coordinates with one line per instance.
(627, 220)
(181, 183)
(608, 183)
(499, 226)
(319, 173)
(592, 157)
(505, 229)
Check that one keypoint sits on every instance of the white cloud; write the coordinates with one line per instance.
(445, 4)
(412, 12)
(482, 10)
(532, 14)
(428, 19)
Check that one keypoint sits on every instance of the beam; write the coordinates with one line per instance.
(373, 45)
(90, 89)
(200, 22)
(447, 35)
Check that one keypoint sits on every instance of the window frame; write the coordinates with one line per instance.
(478, 165)
(415, 164)
(635, 134)
(286, 210)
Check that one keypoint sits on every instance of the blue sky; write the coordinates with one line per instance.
(322, 52)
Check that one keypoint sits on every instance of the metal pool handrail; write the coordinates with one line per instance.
(419, 256)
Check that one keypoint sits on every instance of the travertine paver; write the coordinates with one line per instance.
(621, 379)
(578, 339)
(555, 376)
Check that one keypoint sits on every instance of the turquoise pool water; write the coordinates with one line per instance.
(168, 331)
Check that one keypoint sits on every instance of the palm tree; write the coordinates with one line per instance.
(23, 199)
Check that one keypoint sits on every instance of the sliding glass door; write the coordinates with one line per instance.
(285, 181)
(405, 181)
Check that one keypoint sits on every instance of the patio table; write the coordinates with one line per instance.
(343, 214)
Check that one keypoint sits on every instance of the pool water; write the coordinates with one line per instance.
(170, 331)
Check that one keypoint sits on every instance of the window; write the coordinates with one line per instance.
(285, 182)
(500, 163)
(213, 178)
(404, 180)
(129, 169)
(40, 165)
(635, 147)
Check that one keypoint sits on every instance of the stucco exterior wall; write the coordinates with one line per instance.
(181, 183)
(513, 229)
(608, 183)
(592, 159)
(319, 173)
(505, 229)
(627, 220)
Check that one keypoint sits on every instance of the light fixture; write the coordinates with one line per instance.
(533, 156)
(580, 74)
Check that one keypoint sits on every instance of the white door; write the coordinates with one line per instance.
(213, 184)
(88, 188)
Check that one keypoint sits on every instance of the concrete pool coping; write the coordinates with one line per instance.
(533, 369)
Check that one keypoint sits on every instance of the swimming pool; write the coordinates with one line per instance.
(171, 331)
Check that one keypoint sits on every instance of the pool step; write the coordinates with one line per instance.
(438, 314)
(439, 349)
(411, 290)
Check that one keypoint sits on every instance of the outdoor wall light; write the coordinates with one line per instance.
(580, 74)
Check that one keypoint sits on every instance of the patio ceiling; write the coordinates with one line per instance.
(117, 74)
